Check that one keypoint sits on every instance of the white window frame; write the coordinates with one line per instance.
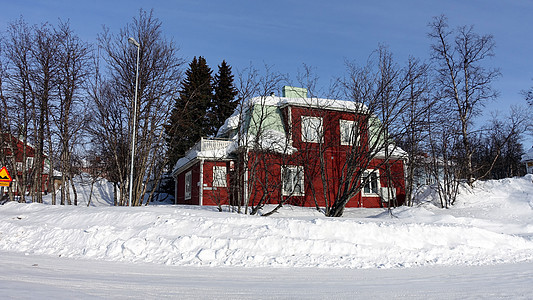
(188, 185)
(29, 162)
(312, 129)
(297, 174)
(387, 193)
(347, 130)
(371, 172)
(220, 176)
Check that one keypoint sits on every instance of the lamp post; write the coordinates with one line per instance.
(135, 43)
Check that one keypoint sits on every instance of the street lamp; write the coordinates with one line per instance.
(135, 43)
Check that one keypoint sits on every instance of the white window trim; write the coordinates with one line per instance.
(188, 185)
(386, 192)
(319, 132)
(29, 162)
(371, 171)
(353, 127)
(220, 181)
(298, 170)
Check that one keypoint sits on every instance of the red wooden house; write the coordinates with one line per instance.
(19, 157)
(291, 149)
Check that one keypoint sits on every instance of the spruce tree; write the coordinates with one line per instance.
(224, 102)
(189, 120)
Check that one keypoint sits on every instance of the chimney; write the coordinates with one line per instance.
(294, 92)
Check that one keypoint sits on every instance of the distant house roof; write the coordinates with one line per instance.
(528, 156)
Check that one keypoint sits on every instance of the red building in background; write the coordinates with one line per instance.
(19, 161)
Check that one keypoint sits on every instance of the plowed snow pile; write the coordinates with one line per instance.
(492, 223)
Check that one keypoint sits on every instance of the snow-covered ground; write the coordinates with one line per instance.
(481, 247)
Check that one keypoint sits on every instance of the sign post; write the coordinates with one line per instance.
(5, 178)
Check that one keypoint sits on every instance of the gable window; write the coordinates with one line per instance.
(188, 185)
(292, 180)
(349, 133)
(370, 180)
(312, 129)
(219, 176)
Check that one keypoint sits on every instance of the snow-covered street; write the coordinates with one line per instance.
(42, 277)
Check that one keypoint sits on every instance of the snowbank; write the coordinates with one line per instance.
(491, 224)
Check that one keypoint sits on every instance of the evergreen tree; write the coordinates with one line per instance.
(189, 120)
(223, 103)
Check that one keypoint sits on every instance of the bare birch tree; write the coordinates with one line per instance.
(380, 90)
(159, 76)
(74, 68)
(19, 98)
(252, 154)
(463, 80)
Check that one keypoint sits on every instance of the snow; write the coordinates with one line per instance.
(322, 103)
(231, 123)
(480, 247)
(271, 140)
(528, 156)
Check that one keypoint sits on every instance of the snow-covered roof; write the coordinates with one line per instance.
(393, 152)
(528, 156)
(322, 103)
(206, 149)
(233, 121)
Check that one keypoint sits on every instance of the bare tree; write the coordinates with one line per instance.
(159, 76)
(462, 79)
(498, 140)
(379, 91)
(74, 68)
(109, 136)
(46, 57)
(415, 119)
(443, 167)
(19, 98)
(254, 128)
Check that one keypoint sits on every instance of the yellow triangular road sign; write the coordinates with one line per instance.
(4, 175)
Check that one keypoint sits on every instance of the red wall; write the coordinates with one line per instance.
(20, 149)
(267, 166)
(267, 183)
(180, 186)
(215, 195)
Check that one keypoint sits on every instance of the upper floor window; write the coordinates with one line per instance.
(188, 185)
(312, 129)
(292, 180)
(219, 176)
(349, 132)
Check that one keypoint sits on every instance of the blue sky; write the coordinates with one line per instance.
(322, 34)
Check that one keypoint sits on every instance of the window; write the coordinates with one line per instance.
(293, 180)
(312, 130)
(387, 194)
(371, 183)
(219, 176)
(19, 166)
(188, 185)
(349, 133)
(29, 163)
